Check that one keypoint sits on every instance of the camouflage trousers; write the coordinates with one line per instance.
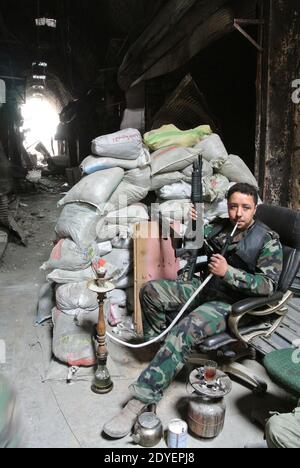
(162, 300)
(283, 430)
(10, 434)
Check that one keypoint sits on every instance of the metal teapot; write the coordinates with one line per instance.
(148, 430)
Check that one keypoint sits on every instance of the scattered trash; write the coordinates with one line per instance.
(34, 176)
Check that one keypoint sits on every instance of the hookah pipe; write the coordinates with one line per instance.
(102, 382)
(185, 307)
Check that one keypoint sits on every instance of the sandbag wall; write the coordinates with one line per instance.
(95, 229)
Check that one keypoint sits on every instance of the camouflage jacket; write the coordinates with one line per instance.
(239, 283)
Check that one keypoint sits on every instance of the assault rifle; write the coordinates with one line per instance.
(194, 237)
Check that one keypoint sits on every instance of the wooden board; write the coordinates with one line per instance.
(154, 259)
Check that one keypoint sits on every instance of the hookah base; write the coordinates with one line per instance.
(101, 388)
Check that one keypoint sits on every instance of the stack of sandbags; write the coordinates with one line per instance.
(93, 232)
(123, 150)
(172, 169)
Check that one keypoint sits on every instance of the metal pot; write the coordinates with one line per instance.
(148, 430)
(206, 417)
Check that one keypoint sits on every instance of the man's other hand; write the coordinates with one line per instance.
(218, 266)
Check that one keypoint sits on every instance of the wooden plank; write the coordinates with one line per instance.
(285, 334)
(264, 346)
(154, 259)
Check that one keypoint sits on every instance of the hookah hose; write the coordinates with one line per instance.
(183, 310)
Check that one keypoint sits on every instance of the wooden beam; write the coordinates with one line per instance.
(277, 121)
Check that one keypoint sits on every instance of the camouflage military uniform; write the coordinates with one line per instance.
(161, 300)
(10, 436)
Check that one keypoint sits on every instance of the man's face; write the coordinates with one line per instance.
(241, 209)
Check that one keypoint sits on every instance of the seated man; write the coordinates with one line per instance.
(253, 268)
(283, 430)
(10, 431)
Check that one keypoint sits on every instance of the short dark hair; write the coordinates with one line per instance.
(246, 189)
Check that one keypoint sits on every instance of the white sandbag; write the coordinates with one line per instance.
(177, 210)
(215, 188)
(107, 232)
(46, 302)
(213, 150)
(133, 189)
(215, 210)
(93, 164)
(160, 180)
(122, 260)
(121, 243)
(86, 319)
(132, 214)
(206, 172)
(179, 191)
(78, 221)
(218, 209)
(139, 177)
(172, 159)
(95, 189)
(67, 256)
(126, 144)
(125, 282)
(104, 248)
(64, 276)
(74, 296)
(117, 297)
(237, 171)
(126, 194)
(71, 344)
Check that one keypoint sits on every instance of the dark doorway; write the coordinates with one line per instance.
(226, 74)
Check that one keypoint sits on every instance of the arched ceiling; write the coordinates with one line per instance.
(90, 35)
